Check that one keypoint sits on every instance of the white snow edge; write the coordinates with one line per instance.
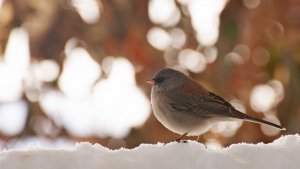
(283, 153)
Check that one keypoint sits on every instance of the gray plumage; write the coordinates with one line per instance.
(185, 107)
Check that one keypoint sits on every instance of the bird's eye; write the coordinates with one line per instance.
(158, 80)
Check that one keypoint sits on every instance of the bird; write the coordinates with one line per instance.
(185, 107)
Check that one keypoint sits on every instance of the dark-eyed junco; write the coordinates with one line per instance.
(185, 107)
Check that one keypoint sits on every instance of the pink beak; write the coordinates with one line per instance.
(152, 82)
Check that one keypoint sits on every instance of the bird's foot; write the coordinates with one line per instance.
(182, 141)
(179, 138)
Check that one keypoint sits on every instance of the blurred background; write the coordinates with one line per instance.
(75, 70)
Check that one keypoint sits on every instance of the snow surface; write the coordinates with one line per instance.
(283, 153)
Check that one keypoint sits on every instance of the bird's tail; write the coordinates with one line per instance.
(255, 120)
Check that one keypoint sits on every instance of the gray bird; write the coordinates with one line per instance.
(185, 107)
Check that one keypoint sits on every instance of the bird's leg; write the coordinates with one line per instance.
(200, 142)
(179, 138)
(198, 138)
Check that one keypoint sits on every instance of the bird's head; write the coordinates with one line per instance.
(167, 79)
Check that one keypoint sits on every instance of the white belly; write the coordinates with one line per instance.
(180, 122)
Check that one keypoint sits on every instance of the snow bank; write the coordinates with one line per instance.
(283, 153)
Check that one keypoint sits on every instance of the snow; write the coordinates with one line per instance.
(282, 153)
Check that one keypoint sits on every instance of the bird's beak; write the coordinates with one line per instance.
(152, 82)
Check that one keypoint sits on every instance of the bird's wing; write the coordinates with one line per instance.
(206, 105)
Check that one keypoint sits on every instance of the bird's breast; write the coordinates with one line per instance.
(177, 121)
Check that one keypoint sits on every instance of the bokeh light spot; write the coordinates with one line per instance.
(112, 108)
(80, 71)
(178, 37)
(88, 10)
(233, 57)
(47, 70)
(15, 65)
(205, 19)
(119, 102)
(13, 117)
(251, 4)
(260, 56)
(243, 51)
(211, 54)
(192, 60)
(163, 12)
(262, 98)
(227, 128)
(275, 30)
(159, 38)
